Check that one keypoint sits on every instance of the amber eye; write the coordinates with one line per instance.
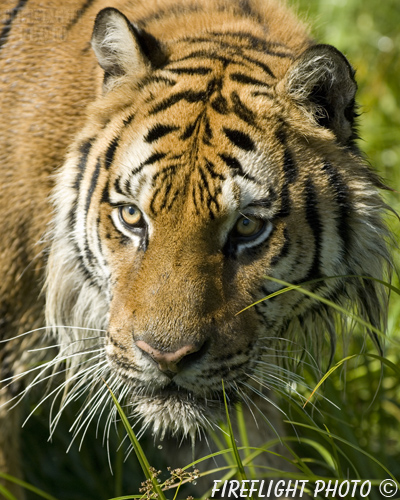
(247, 227)
(131, 216)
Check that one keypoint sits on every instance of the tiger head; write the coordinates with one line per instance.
(210, 167)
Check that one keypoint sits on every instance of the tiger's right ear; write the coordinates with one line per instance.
(122, 48)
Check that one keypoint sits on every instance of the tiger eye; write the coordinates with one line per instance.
(248, 227)
(131, 215)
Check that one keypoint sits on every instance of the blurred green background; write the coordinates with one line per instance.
(368, 33)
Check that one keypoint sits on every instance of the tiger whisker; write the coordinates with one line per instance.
(58, 389)
(261, 394)
(80, 387)
(92, 400)
(267, 367)
(246, 400)
(301, 348)
(39, 378)
(55, 346)
(44, 366)
(287, 389)
(251, 401)
(53, 327)
(102, 395)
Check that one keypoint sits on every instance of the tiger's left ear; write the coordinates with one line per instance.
(322, 82)
(122, 48)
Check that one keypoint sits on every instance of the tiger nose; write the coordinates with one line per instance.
(168, 361)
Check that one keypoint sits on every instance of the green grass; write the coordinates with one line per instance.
(353, 430)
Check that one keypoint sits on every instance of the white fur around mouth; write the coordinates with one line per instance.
(175, 411)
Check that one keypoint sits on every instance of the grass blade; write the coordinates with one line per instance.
(23, 484)
(329, 436)
(327, 374)
(138, 449)
(288, 287)
(240, 468)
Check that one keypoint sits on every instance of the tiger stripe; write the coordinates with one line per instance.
(12, 15)
(241, 110)
(239, 139)
(314, 221)
(81, 12)
(341, 191)
(188, 96)
(247, 80)
(158, 131)
(84, 151)
(111, 152)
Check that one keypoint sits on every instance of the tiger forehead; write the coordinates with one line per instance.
(212, 85)
(199, 134)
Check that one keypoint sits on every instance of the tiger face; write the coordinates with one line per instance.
(207, 166)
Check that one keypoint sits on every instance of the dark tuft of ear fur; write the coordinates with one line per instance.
(122, 48)
(322, 81)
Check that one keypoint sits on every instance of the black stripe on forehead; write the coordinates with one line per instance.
(79, 13)
(241, 110)
(208, 133)
(220, 105)
(199, 70)
(159, 130)
(236, 58)
(154, 158)
(189, 130)
(165, 174)
(240, 139)
(242, 40)
(208, 193)
(8, 22)
(209, 165)
(247, 80)
(188, 95)
(236, 167)
(204, 182)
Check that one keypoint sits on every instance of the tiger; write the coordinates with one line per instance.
(174, 162)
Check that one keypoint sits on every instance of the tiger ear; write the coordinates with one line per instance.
(322, 82)
(121, 47)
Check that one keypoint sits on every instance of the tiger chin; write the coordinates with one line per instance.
(174, 162)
